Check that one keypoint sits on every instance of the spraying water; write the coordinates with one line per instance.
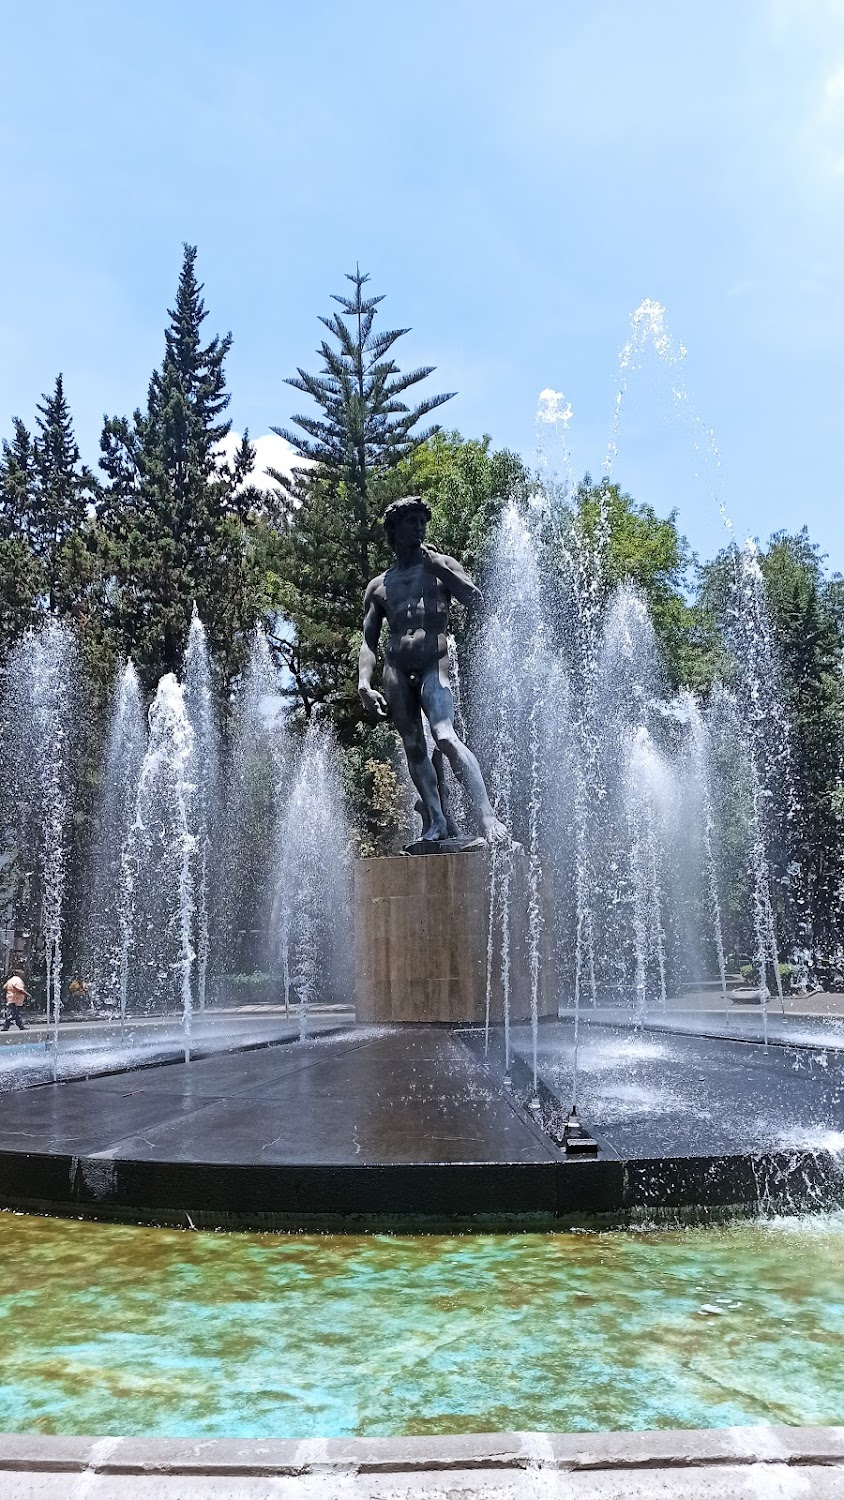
(108, 940)
(311, 879)
(257, 767)
(39, 711)
(768, 741)
(204, 775)
(160, 854)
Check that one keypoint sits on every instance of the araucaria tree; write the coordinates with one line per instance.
(330, 541)
(176, 516)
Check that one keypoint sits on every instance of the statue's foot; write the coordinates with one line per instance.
(494, 831)
(438, 830)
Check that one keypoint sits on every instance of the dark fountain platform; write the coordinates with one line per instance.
(413, 1125)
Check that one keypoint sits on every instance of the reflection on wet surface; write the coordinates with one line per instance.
(661, 1093)
(124, 1330)
(100, 1048)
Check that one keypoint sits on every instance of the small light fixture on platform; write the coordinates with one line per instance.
(576, 1139)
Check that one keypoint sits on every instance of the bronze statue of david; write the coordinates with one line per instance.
(414, 597)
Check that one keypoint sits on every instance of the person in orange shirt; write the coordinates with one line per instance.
(15, 994)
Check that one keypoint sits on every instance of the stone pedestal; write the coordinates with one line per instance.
(421, 936)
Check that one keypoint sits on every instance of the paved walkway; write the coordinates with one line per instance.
(768, 1463)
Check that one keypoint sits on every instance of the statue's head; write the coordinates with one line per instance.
(411, 507)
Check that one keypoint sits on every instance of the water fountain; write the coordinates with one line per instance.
(176, 830)
(217, 915)
(258, 769)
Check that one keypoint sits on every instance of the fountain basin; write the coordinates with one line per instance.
(121, 1330)
(411, 1125)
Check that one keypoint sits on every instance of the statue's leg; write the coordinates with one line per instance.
(438, 704)
(445, 797)
(403, 702)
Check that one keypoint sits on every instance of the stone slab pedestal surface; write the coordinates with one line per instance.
(422, 935)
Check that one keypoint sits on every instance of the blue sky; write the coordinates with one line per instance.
(516, 179)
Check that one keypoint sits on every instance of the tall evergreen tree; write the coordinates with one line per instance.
(61, 504)
(17, 481)
(350, 456)
(47, 530)
(21, 574)
(175, 515)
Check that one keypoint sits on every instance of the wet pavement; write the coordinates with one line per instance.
(418, 1121)
(83, 1049)
(357, 1097)
(658, 1092)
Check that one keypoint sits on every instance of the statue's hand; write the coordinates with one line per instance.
(374, 703)
(436, 563)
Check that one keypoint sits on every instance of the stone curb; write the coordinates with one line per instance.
(256, 1458)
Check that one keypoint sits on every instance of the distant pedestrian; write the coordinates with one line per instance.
(15, 995)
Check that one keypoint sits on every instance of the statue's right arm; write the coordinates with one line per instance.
(373, 618)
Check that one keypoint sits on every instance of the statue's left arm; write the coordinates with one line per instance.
(453, 575)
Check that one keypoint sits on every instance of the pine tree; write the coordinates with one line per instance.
(17, 482)
(61, 505)
(351, 456)
(48, 544)
(21, 575)
(175, 515)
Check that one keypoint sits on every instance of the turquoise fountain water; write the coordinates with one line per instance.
(125, 1330)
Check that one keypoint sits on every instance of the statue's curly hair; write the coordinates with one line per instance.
(400, 508)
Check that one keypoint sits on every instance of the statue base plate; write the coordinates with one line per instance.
(422, 941)
(444, 846)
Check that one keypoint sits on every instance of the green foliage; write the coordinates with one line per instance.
(466, 485)
(46, 522)
(365, 428)
(807, 627)
(61, 504)
(21, 583)
(17, 483)
(22, 580)
(750, 975)
(637, 545)
(175, 518)
(377, 790)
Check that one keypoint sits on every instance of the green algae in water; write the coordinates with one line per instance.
(120, 1330)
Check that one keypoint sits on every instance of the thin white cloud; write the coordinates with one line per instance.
(271, 452)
